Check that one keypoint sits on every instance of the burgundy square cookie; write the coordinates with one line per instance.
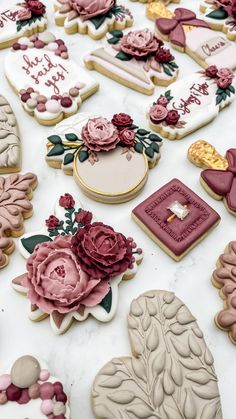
(175, 218)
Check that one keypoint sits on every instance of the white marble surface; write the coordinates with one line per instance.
(77, 356)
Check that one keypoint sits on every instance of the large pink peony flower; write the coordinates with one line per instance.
(140, 43)
(89, 9)
(101, 251)
(56, 282)
(99, 134)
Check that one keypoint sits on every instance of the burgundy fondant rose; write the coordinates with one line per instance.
(163, 55)
(36, 7)
(172, 117)
(99, 134)
(158, 113)
(140, 43)
(52, 222)
(122, 120)
(89, 9)
(211, 71)
(101, 251)
(127, 137)
(67, 201)
(56, 282)
(84, 217)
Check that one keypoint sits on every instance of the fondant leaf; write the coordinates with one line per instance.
(140, 410)
(55, 139)
(83, 155)
(29, 243)
(116, 33)
(154, 137)
(149, 152)
(69, 158)
(57, 150)
(113, 40)
(167, 70)
(106, 303)
(218, 14)
(143, 132)
(219, 99)
(123, 56)
(71, 137)
(231, 88)
(98, 21)
(138, 147)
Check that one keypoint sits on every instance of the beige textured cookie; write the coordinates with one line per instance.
(94, 18)
(15, 206)
(22, 20)
(171, 373)
(155, 9)
(220, 17)
(194, 36)
(50, 85)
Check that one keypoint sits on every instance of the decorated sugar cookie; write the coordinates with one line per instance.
(50, 85)
(194, 36)
(74, 267)
(192, 102)
(15, 206)
(10, 144)
(138, 60)
(170, 374)
(23, 19)
(155, 9)
(219, 177)
(94, 18)
(28, 390)
(109, 160)
(220, 15)
(224, 278)
(176, 218)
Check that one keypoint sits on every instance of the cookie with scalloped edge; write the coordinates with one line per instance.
(171, 372)
(219, 17)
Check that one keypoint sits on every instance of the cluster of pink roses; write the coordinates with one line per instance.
(228, 5)
(223, 76)
(31, 8)
(71, 271)
(159, 113)
(89, 9)
(99, 134)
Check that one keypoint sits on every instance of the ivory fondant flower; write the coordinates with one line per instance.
(99, 134)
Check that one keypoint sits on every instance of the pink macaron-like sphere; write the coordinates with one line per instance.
(47, 407)
(5, 381)
(47, 391)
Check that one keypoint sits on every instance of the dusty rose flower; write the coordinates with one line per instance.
(52, 222)
(172, 117)
(211, 71)
(139, 44)
(89, 9)
(84, 217)
(99, 134)
(225, 73)
(56, 282)
(158, 113)
(163, 55)
(36, 7)
(127, 137)
(24, 14)
(162, 101)
(224, 83)
(122, 120)
(67, 201)
(101, 251)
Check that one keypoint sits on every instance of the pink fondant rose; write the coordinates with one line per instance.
(162, 101)
(225, 73)
(224, 83)
(99, 134)
(67, 201)
(139, 44)
(127, 137)
(36, 7)
(52, 222)
(101, 251)
(172, 117)
(122, 120)
(24, 14)
(158, 113)
(211, 71)
(89, 9)
(163, 55)
(56, 282)
(84, 217)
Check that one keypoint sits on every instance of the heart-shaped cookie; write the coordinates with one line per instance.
(171, 373)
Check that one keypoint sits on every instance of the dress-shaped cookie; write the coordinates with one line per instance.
(171, 372)
(94, 18)
(15, 194)
(10, 144)
(110, 160)
(220, 15)
(219, 177)
(50, 85)
(23, 19)
(192, 102)
(28, 390)
(137, 59)
(194, 36)
(74, 267)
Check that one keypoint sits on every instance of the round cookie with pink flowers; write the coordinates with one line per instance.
(28, 390)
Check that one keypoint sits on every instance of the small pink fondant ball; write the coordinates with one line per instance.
(46, 391)
(5, 381)
(47, 407)
(44, 375)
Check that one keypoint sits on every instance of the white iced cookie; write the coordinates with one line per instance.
(28, 390)
(23, 19)
(110, 160)
(50, 85)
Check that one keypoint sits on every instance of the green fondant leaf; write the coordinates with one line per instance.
(30, 242)
(219, 91)
(143, 132)
(167, 94)
(83, 155)
(219, 99)
(228, 92)
(98, 21)
(55, 139)
(224, 95)
(149, 152)
(231, 88)
(113, 40)
(154, 137)
(155, 147)
(133, 126)
(116, 33)
(173, 64)
(218, 14)
(138, 147)
(167, 69)
(71, 137)
(106, 303)
(57, 150)
(123, 56)
(69, 158)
